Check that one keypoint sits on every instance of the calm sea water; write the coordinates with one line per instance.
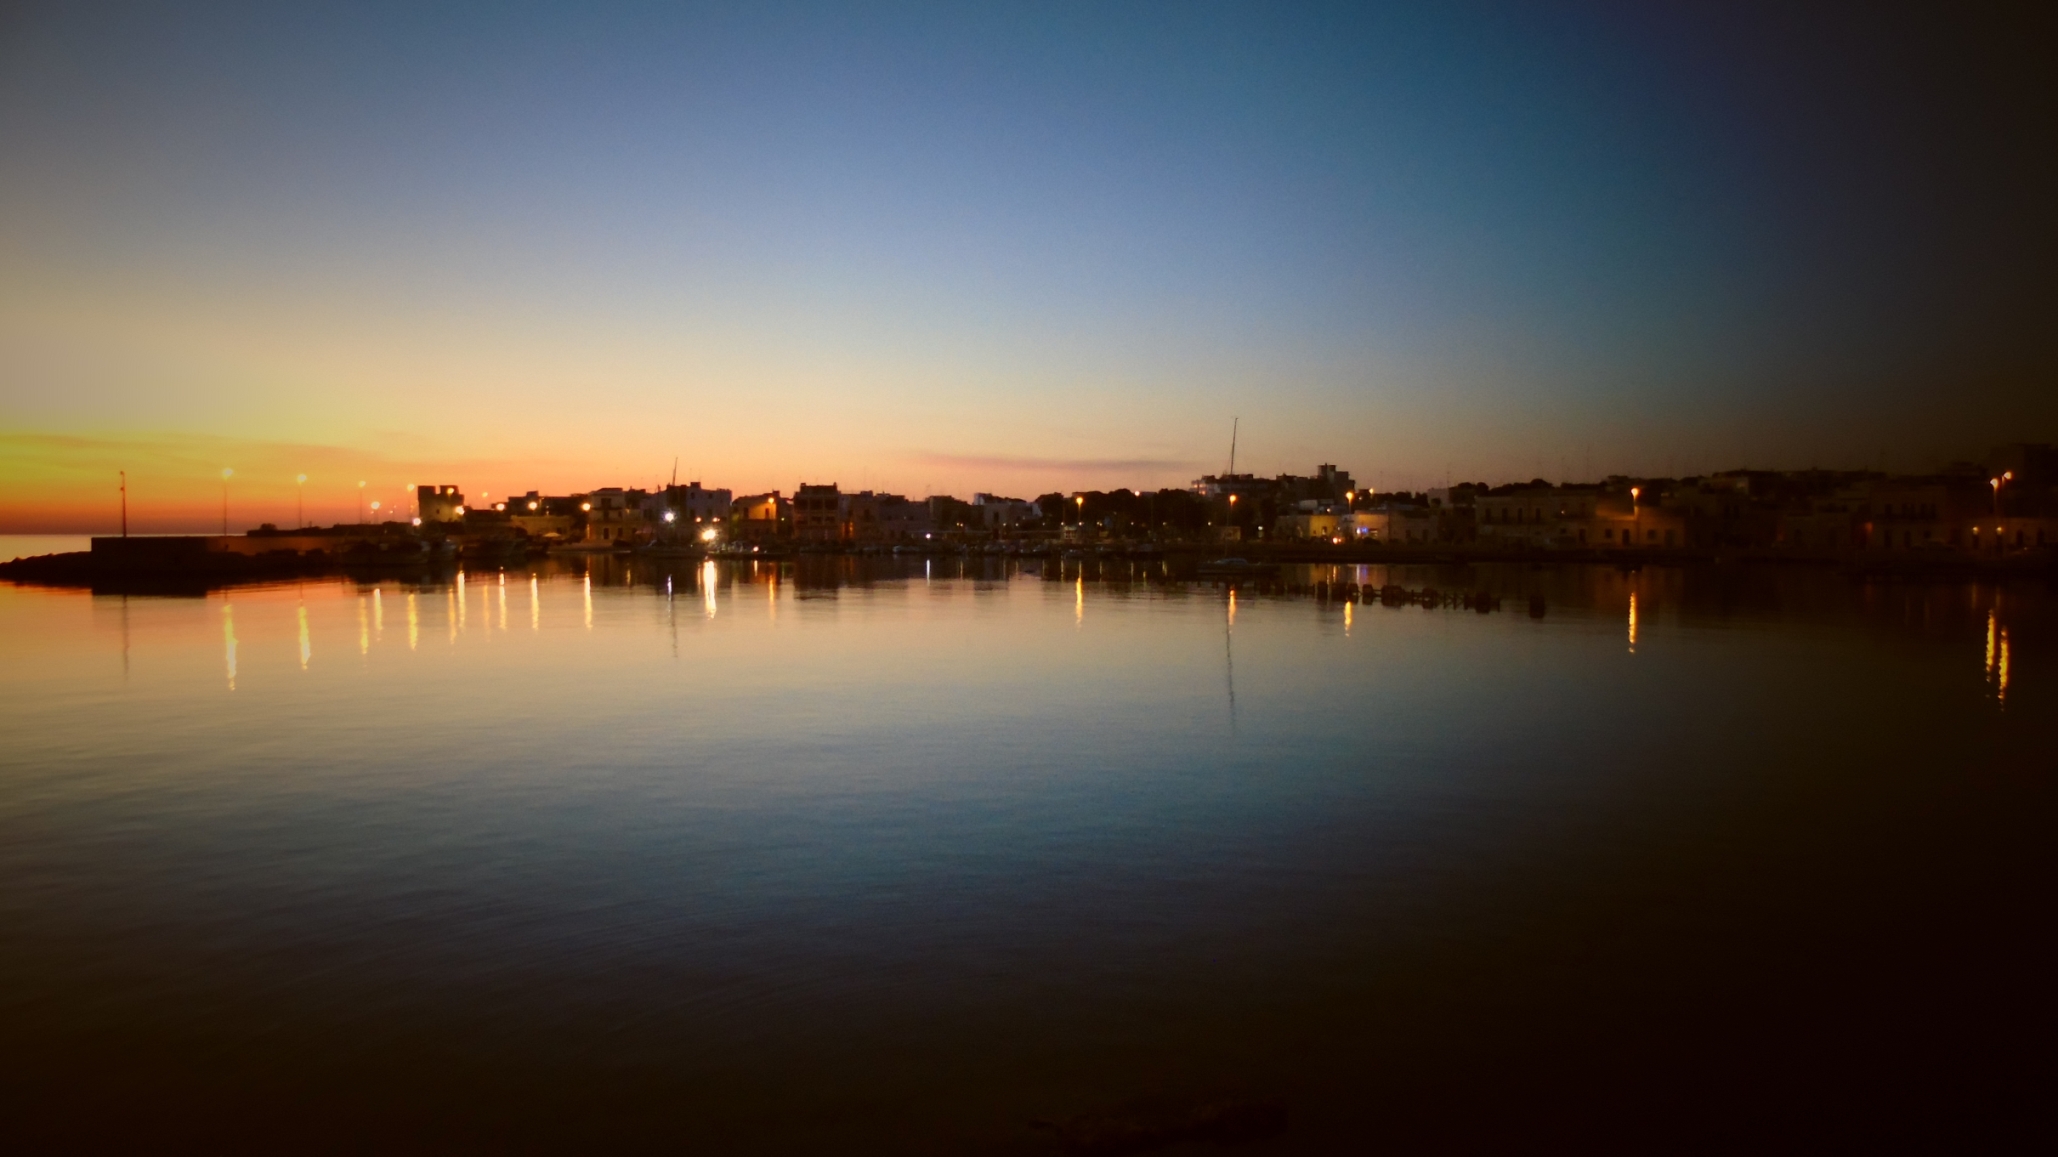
(905, 856)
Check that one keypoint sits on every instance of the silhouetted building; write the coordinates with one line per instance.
(438, 503)
(818, 513)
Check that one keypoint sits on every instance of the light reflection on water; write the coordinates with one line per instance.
(971, 841)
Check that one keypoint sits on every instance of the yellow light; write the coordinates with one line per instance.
(708, 535)
(532, 506)
(585, 506)
(225, 473)
(460, 510)
(375, 506)
(300, 478)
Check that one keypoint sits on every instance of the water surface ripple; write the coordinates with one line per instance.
(905, 855)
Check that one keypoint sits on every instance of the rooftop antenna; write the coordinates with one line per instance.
(675, 472)
(1234, 423)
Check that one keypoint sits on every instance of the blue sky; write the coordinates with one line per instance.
(1014, 247)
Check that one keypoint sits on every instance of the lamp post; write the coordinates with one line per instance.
(226, 471)
(360, 503)
(300, 499)
(124, 504)
(1636, 516)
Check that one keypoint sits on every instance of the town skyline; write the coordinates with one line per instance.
(174, 492)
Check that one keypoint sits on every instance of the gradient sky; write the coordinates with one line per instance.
(1014, 248)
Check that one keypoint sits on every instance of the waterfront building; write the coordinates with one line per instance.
(760, 518)
(999, 515)
(818, 513)
(435, 504)
(858, 517)
(547, 518)
(614, 516)
(692, 507)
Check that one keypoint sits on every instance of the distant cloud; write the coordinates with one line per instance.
(1049, 465)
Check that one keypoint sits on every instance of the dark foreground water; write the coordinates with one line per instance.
(904, 858)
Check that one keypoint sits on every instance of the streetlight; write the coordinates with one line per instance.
(226, 471)
(360, 503)
(300, 499)
(2006, 476)
(1636, 519)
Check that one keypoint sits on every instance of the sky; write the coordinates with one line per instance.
(944, 248)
